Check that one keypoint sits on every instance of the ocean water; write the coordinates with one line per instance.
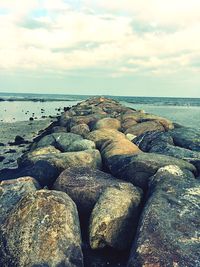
(20, 107)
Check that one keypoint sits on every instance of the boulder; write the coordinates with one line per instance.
(81, 129)
(59, 140)
(59, 129)
(140, 116)
(114, 218)
(143, 127)
(37, 152)
(186, 137)
(103, 135)
(138, 168)
(81, 145)
(108, 123)
(168, 232)
(149, 139)
(42, 230)
(85, 185)
(11, 191)
(128, 123)
(118, 147)
(88, 158)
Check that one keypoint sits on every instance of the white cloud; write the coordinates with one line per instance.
(65, 38)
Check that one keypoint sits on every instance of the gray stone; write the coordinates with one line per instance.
(186, 137)
(139, 167)
(168, 233)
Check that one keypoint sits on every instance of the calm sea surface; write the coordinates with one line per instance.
(20, 107)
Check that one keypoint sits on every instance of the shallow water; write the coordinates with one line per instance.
(21, 111)
(184, 115)
(185, 111)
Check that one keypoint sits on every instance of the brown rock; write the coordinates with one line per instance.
(147, 126)
(43, 230)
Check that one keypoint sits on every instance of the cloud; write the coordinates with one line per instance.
(116, 37)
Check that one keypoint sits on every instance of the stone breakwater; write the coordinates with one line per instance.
(104, 185)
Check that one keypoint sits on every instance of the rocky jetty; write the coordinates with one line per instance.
(103, 185)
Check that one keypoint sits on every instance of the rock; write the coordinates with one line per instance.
(37, 152)
(81, 129)
(175, 151)
(168, 232)
(108, 123)
(114, 218)
(89, 120)
(42, 170)
(138, 168)
(59, 140)
(150, 139)
(19, 140)
(84, 185)
(87, 158)
(128, 123)
(2, 158)
(103, 135)
(59, 129)
(143, 127)
(81, 145)
(131, 137)
(42, 230)
(186, 137)
(11, 191)
(139, 116)
(118, 147)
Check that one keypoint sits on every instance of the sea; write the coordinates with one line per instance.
(20, 107)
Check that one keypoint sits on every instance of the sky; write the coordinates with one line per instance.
(112, 47)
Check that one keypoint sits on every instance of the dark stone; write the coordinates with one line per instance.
(149, 139)
(84, 186)
(138, 168)
(168, 233)
(186, 137)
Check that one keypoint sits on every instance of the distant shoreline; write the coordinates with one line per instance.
(33, 99)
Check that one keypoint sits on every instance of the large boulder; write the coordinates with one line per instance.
(81, 145)
(139, 116)
(186, 137)
(81, 129)
(11, 191)
(42, 230)
(37, 152)
(144, 127)
(87, 158)
(108, 123)
(138, 168)
(103, 135)
(150, 139)
(114, 218)
(84, 186)
(168, 232)
(127, 123)
(46, 168)
(61, 140)
(118, 147)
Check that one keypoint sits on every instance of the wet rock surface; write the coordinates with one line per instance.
(98, 158)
